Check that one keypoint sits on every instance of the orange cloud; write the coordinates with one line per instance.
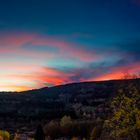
(119, 71)
(50, 76)
(43, 76)
(46, 76)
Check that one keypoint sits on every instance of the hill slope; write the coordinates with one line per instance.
(79, 100)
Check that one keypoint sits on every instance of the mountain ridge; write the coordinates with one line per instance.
(72, 84)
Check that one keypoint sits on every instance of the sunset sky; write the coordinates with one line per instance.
(52, 42)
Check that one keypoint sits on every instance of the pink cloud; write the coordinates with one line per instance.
(13, 43)
(34, 75)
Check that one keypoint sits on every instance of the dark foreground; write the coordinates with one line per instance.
(95, 110)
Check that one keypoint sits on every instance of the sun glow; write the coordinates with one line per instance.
(13, 88)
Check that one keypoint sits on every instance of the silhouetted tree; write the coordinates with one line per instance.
(39, 135)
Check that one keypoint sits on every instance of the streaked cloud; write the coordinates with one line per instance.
(32, 60)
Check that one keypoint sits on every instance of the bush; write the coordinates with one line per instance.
(4, 135)
(52, 129)
(125, 119)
